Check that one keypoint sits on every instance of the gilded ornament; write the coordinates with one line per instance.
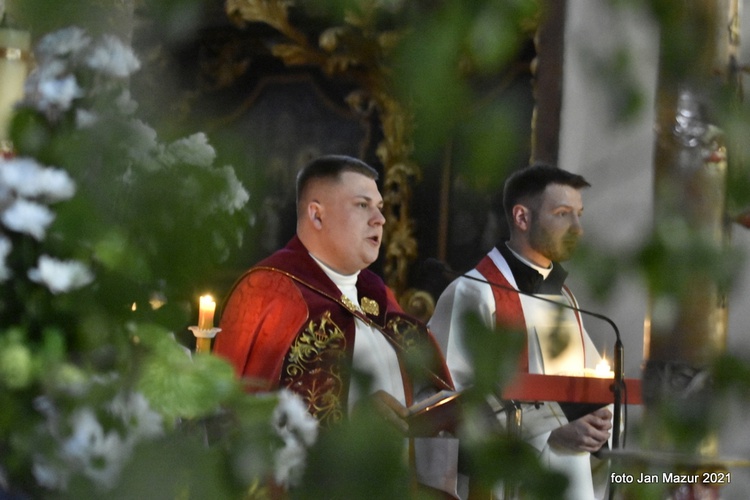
(317, 353)
(349, 50)
(349, 303)
(369, 306)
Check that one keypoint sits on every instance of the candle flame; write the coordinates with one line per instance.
(206, 312)
(603, 369)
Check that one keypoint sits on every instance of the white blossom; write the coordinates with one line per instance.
(133, 409)
(60, 276)
(50, 70)
(299, 430)
(144, 147)
(113, 58)
(237, 196)
(64, 42)
(28, 217)
(86, 118)
(192, 150)
(291, 417)
(289, 464)
(29, 179)
(49, 476)
(86, 446)
(125, 103)
(57, 93)
(100, 454)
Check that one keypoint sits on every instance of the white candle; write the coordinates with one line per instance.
(603, 370)
(14, 54)
(206, 312)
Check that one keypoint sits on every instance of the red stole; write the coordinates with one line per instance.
(509, 311)
(508, 308)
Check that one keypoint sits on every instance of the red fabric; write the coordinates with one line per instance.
(262, 316)
(508, 309)
(284, 325)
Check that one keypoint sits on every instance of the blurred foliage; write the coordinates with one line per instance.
(493, 456)
(93, 383)
(96, 16)
(362, 457)
(433, 60)
(452, 42)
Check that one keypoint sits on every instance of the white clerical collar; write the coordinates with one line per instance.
(341, 280)
(544, 271)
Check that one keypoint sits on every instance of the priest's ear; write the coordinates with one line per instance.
(314, 214)
(521, 217)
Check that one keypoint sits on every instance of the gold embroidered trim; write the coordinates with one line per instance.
(369, 306)
(349, 304)
(319, 345)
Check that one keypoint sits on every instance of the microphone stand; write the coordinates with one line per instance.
(619, 350)
(617, 391)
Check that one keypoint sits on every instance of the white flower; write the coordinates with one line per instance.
(50, 70)
(5, 248)
(60, 276)
(28, 217)
(298, 429)
(49, 476)
(133, 409)
(144, 146)
(57, 93)
(51, 88)
(289, 464)
(113, 58)
(193, 150)
(63, 42)
(144, 136)
(291, 417)
(29, 179)
(86, 118)
(86, 446)
(237, 196)
(100, 454)
(125, 103)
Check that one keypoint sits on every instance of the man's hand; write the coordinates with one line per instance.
(388, 408)
(588, 433)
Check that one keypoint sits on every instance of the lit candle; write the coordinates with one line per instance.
(206, 312)
(14, 55)
(603, 370)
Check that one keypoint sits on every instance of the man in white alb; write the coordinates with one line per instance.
(543, 206)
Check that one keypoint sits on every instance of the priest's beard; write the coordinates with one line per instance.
(555, 248)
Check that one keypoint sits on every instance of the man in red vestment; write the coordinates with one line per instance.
(310, 315)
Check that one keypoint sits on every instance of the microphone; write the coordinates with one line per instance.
(619, 350)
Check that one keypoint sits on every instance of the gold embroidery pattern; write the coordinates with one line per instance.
(313, 363)
(349, 304)
(369, 306)
(410, 336)
(405, 333)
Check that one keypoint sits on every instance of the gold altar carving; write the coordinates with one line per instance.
(356, 50)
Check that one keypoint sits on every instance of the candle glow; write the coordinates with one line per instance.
(14, 54)
(206, 312)
(603, 369)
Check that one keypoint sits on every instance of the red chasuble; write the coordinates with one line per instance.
(286, 324)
